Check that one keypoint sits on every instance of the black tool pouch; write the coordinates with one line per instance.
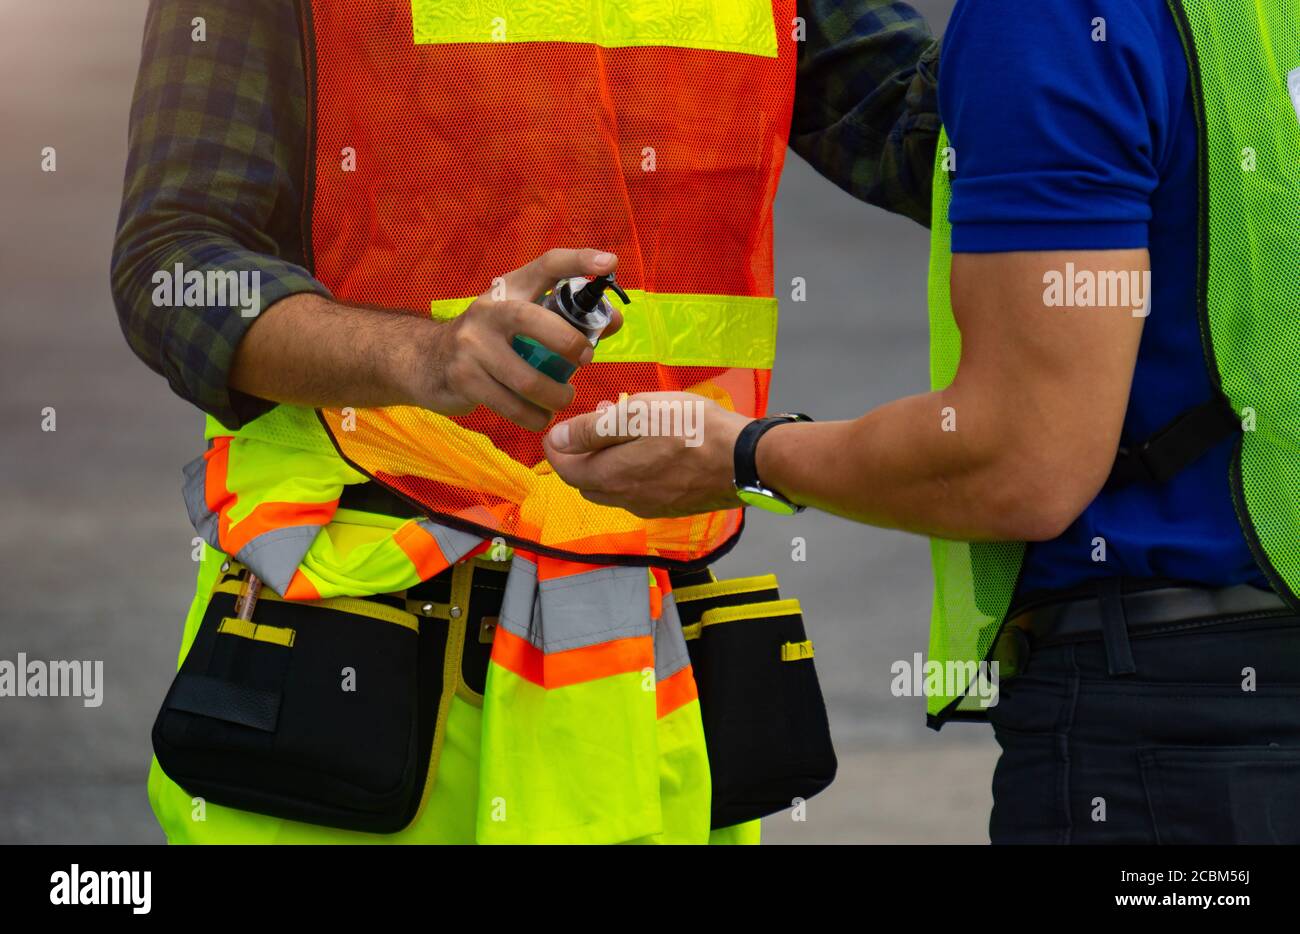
(765, 723)
(323, 712)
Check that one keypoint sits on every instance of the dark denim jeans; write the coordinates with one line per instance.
(1201, 745)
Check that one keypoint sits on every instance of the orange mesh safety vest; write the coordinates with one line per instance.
(455, 141)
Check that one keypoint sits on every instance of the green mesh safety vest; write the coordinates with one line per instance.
(1244, 60)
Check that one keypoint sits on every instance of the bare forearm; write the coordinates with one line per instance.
(308, 350)
(1021, 440)
(900, 466)
(961, 463)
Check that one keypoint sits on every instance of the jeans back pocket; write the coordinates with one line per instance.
(1223, 794)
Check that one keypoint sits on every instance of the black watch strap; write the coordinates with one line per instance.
(746, 470)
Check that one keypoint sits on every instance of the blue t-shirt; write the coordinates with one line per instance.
(1065, 142)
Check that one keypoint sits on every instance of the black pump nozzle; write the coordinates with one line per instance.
(589, 296)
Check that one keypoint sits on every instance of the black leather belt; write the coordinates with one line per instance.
(1145, 613)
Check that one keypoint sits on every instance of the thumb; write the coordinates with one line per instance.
(532, 281)
(583, 434)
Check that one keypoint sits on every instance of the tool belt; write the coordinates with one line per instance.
(330, 712)
(765, 722)
(1114, 615)
(324, 711)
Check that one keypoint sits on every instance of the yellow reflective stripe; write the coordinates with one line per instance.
(681, 330)
(766, 610)
(797, 651)
(354, 605)
(716, 25)
(736, 585)
(246, 628)
(448, 307)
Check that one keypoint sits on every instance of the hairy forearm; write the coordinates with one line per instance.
(311, 351)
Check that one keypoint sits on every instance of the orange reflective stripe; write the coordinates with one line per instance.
(422, 550)
(675, 691)
(549, 569)
(573, 666)
(301, 588)
(660, 587)
(265, 517)
(218, 498)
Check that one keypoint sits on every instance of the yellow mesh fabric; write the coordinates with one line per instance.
(973, 582)
(1250, 239)
(1241, 57)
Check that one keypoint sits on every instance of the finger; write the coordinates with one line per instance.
(534, 280)
(615, 323)
(547, 328)
(509, 405)
(576, 470)
(583, 434)
(511, 371)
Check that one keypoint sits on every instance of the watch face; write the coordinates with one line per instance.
(766, 500)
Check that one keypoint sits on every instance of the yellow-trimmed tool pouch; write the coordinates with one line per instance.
(324, 712)
(765, 724)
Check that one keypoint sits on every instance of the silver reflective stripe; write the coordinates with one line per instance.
(671, 655)
(574, 612)
(453, 543)
(205, 521)
(517, 603)
(274, 556)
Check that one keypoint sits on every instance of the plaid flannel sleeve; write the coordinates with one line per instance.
(866, 111)
(214, 182)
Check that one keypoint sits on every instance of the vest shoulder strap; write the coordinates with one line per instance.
(1177, 445)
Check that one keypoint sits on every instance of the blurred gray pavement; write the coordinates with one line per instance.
(95, 546)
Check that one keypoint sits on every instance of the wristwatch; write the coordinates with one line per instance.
(749, 488)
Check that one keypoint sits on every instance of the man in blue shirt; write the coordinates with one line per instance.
(1106, 162)
(1075, 145)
